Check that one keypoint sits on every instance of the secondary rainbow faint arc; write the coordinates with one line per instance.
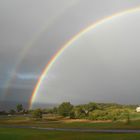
(71, 41)
(28, 47)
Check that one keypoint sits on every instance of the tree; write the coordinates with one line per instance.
(12, 111)
(37, 113)
(72, 114)
(65, 109)
(89, 108)
(19, 107)
(79, 112)
(3, 112)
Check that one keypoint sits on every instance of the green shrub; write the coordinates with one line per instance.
(37, 114)
(65, 109)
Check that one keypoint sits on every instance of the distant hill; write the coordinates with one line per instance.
(7, 105)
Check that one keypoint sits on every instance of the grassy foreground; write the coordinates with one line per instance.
(29, 134)
(67, 123)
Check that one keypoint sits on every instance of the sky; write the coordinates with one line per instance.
(100, 66)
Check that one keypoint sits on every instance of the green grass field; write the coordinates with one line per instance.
(29, 134)
(25, 121)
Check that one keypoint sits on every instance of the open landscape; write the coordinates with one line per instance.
(84, 122)
(69, 69)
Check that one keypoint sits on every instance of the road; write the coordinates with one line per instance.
(78, 129)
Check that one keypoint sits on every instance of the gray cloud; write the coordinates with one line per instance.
(20, 23)
(102, 66)
(29, 76)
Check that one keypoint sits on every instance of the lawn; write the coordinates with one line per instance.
(25, 121)
(32, 134)
(29, 134)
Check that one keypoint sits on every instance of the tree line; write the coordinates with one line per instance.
(91, 111)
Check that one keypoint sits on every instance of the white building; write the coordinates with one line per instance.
(138, 109)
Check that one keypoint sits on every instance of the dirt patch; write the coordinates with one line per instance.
(84, 120)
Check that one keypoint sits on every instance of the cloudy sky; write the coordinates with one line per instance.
(103, 65)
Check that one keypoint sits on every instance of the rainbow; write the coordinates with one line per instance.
(70, 42)
(28, 47)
